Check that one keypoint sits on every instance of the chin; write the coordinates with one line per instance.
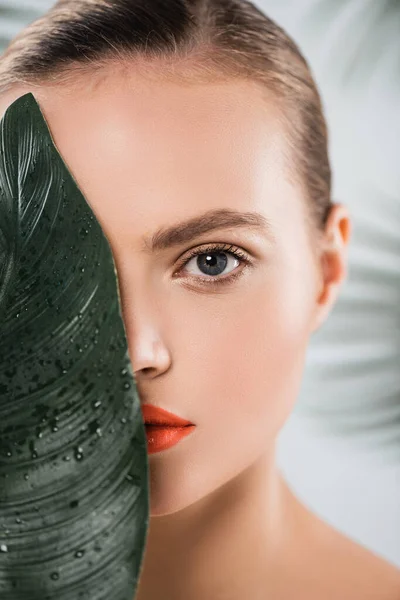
(161, 509)
(169, 501)
(174, 487)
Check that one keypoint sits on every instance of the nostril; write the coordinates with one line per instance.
(147, 370)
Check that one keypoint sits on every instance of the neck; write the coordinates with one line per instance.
(230, 540)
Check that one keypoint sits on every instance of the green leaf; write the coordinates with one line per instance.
(74, 485)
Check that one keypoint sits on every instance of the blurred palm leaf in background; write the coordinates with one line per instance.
(340, 449)
(352, 381)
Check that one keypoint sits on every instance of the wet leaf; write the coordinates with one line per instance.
(74, 507)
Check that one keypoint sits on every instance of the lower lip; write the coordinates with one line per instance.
(161, 437)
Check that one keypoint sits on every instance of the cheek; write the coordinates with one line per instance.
(248, 349)
(239, 360)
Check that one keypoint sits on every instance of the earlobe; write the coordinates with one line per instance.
(324, 296)
(328, 290)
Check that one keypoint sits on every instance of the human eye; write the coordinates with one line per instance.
(211, 260)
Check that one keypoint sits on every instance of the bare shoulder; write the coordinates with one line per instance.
(352, 571)
(372, 575)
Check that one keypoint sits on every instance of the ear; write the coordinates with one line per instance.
(332, 261)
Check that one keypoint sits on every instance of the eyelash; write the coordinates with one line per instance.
(218, 279)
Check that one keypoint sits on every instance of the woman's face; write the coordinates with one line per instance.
(221, 342)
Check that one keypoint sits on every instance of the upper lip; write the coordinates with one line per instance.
(158, 416)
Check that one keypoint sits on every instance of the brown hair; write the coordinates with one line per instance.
(191, 40)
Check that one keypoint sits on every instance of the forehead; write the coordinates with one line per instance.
(146, 152)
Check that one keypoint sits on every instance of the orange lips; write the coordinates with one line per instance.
(154, 415)
(163, 429)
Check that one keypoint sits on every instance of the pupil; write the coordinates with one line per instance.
(212, 264)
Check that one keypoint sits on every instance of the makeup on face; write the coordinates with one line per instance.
(163, 429)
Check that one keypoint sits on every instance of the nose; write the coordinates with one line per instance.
(147, 347)
(142, 313)
(149, 355)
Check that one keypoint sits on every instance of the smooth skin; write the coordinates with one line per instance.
(148, 154)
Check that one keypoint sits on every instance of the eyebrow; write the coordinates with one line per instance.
(185, 231)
